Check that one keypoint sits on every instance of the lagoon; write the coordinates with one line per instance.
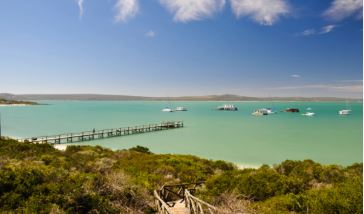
(238, 136)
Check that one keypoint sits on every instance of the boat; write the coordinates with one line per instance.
(270, 111)
(344, 112)
(310, 114)
(227, 108)
(167, 109)
(293, 110)
(260, 112)
(309, 109)
(181, 108)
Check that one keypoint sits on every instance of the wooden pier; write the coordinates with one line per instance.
(105, 133)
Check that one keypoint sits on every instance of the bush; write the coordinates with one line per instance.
(85, 179)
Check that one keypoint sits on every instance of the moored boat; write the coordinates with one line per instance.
(181, 108)
(344, 112)
(310, 114)
(293, 110)
(227, 108)
(270, 111)
(260, 112)
(167, 109)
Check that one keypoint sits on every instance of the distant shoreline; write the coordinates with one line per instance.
(214, 98)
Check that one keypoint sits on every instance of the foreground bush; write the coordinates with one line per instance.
(85, 179)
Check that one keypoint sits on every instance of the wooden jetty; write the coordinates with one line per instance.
(105, 133)
(179, 199)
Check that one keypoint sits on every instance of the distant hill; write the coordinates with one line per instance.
(224, 97)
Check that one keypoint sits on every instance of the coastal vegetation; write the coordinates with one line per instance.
(15, 102)
(36, 178)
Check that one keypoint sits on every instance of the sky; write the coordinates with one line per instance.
(182, 47)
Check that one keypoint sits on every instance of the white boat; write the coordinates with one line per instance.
(344, 112)
(260, 112)
(310, 114)
(270, 111)
(181, 108)
(167, 109)
(227, 108)
(263, 111)
(309, 109)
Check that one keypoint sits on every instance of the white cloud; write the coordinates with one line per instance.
(80, 7)
(296, 76)
(265, 12)
(323, 30)
(327, 29)
(308, 32)
(192, 10)
(126, 9)
(150, 34)
(341, 9)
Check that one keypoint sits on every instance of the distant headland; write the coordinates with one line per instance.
(15, 102)
(224, 97)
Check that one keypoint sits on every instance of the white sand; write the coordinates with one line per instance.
(247, 166)
(6, 105)
(61, 147)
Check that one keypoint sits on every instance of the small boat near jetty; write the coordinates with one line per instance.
(309, 114)
(292, 110)
(227, 108)
(167, 109)
(181, 108)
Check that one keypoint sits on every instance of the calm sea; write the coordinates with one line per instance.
(237, 136)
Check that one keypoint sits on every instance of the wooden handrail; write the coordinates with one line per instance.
(162, 206)
(170, 193)
(165, 202)
(183, 184)
(196, 205)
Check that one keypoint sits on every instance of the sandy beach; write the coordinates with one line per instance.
(12, 105)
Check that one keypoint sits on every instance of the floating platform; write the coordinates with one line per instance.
(102, 134)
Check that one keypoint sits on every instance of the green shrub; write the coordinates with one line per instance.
(86, 179)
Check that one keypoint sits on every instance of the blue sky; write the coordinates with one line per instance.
(182, 47)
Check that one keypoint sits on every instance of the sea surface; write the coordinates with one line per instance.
(238, 136)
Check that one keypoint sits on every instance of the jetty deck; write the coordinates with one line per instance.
(104, 133)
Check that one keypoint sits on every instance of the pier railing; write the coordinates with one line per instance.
(104, 133)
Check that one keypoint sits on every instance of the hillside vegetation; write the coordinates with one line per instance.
(85, 179)
(15, 102)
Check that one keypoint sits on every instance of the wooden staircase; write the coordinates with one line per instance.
(179, 199)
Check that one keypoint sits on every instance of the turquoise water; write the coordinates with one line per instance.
(233, 136)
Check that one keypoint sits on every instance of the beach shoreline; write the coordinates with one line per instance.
(14, 105)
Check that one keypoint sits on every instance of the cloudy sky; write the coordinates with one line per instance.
(182, 47)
